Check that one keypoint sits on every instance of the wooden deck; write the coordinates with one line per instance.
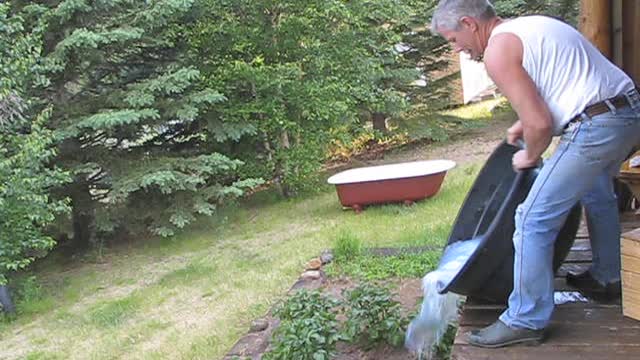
(590, 330)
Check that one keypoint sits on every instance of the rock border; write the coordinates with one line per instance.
(253, 344)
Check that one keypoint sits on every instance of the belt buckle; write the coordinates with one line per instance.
(568, 128)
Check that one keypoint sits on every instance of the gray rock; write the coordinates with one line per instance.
(249, 345)
(311, 275)
(258, 325)
(326, 257)
(309, 284)
(314, 264)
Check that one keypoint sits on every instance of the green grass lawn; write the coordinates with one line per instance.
(193, 296)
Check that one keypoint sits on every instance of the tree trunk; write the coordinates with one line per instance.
(283, 188)
(379, 122)
(83, 214)
(5, 300)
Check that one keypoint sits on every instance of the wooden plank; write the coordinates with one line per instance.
(629, 245)
(569, 334)
(633, 235)
(630, 263)
(616, 41)
(631, 38)
(579, 256)
(582, 234)
(473, 303)
(630, 280)
(631, 303)
(576, 268)
(631, 294)
(579, 314)
(581, 244)
(626, 227)
(560, 284)
(578, 330)
(556, 352)
(630, 216)
(481, 305)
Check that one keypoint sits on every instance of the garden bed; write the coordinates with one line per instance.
(406, 293)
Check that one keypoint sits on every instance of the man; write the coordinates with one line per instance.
(559, 85)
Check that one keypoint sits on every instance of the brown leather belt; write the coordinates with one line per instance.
(617, 102)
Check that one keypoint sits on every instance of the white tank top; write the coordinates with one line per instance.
(569, 72)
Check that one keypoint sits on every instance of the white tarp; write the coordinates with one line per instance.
(476, 83)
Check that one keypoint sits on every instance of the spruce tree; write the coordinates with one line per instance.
(128, 109)
(26, 151)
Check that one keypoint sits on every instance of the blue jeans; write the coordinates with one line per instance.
(589, 154)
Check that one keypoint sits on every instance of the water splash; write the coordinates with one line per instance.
(438, 310)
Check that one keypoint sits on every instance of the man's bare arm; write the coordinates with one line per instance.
(503, 60)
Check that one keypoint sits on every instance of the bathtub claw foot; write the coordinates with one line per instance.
(408, 202)
(357, 208)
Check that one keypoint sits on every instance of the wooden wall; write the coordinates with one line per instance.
(631, 38)
(595, 23)
(614, 27)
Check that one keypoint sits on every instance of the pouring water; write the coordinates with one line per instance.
(438, 310)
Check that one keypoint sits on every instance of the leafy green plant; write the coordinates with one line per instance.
(312, 338)
(346, 247)
(443, 349)
(309, 329)
(305, 304)
(374, 316)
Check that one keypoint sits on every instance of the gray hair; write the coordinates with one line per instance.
(449, 12)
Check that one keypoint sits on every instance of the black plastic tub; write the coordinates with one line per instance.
(488, 214)
(5, 300)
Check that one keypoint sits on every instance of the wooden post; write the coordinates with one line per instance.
(595, 23)
(631, 38)
(616, 29)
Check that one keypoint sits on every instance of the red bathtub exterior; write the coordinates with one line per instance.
(410, 189)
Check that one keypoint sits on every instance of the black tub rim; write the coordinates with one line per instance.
(519, 178)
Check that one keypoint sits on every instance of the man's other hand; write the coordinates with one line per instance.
(515, 132)
(520, 161)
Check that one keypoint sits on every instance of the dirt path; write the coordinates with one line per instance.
(474, 146)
